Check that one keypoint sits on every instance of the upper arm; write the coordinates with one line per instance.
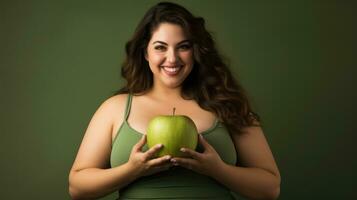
(253, 150)
(94, 151)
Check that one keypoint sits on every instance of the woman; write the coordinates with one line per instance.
(172, 62)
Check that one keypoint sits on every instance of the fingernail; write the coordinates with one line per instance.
(183, 149)
(159, 145)
(173, 160)
(167, 157)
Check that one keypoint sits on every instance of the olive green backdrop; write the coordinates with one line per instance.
(60, 59)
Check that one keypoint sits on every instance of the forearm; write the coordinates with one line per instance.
(93, 182)
(253, 183)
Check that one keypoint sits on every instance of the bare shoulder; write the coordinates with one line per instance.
(95, 148)
(116, 107)
(248, 136)
(110, 113)
(113, 105)
(116, 101)
(253, 149)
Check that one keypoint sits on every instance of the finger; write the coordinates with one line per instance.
(138, 146)
(159, 169)
(185, 162)
(163, 167)
(194, 154)
(204, 142)
(152, 151)
(160, 161)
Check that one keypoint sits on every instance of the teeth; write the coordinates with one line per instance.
(172, 69)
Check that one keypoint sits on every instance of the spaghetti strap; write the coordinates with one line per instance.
(128, 106)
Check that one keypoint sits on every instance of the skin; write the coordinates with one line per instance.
(91, 176)
(168, 47)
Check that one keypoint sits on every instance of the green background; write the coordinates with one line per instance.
(60, 59)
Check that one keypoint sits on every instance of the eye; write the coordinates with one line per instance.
(185, 47)
(160, 48)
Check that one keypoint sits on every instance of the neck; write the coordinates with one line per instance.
(165, 94)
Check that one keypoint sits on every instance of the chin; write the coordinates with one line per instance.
(172, 84)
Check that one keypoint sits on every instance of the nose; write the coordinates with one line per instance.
(171, 56)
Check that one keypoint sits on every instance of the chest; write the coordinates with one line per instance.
(142, 112)
(218, 138)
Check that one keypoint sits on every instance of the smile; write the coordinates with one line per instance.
(171, 71)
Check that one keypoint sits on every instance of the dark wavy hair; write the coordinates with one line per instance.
(210, 82)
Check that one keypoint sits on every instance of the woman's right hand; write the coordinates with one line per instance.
(145, 163)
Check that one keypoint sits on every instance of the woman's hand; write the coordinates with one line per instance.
(145, 163)
(206, 163)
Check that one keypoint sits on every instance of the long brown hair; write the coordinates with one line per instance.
(210, 82)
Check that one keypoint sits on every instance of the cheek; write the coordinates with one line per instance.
(155, 59)
(187, 56)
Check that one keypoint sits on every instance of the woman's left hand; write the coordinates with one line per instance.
(207, 162)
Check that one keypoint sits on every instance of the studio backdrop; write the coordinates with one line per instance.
(59, 60)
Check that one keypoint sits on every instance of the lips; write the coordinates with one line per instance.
(171, 71)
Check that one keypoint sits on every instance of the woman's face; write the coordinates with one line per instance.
(169, 54)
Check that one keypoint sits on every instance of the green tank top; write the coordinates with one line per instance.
(177, 182)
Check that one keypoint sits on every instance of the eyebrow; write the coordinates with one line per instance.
(164, 43)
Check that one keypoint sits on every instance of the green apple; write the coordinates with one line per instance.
(174, 132)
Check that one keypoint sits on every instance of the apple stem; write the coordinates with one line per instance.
(173, 112)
